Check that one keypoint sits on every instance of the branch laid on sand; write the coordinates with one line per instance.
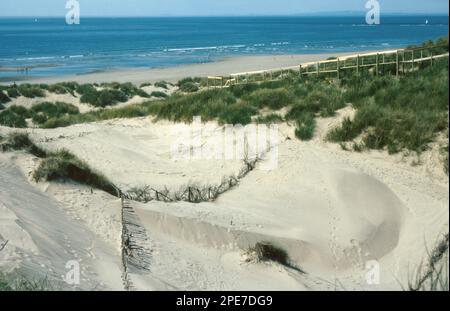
(191, 193)
(3, 245)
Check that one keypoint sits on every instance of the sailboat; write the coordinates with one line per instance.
(426, 22)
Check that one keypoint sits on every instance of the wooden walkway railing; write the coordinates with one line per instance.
(399, 61)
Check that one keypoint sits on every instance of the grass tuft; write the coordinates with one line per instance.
(63, 165)
(21, 141)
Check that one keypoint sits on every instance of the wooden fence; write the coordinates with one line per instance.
(400, 61)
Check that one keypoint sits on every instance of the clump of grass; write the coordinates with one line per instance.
(271, 98)
(9, 283)
(145, 84)
(402, 114)
(42, 112)
(433, 276)
(189, 85)
(63, 165)
(4, 98)
(103, 98)
(269, 119)
(208, 104)
(131, 111)
(306, 125)
(111, 94)
(31, 91)
(158, 94)
(13, 92)
(11, 119)
(238, 113)
(21, 141)
(267, 251)
(162, 84)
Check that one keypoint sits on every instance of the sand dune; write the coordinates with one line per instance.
(332, 210)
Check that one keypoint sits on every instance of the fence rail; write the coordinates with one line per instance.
(401, 61)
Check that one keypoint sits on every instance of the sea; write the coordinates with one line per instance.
(50, 47)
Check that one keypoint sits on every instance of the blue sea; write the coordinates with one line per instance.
(99, 44)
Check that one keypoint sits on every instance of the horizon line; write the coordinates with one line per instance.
(312, 14)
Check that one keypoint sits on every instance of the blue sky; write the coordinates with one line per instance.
(212, 7)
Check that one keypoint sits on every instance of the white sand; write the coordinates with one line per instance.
(332, 210)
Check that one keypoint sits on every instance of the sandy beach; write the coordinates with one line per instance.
(174, 74)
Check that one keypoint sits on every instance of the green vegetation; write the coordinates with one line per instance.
(190, 85)
(30, 91)
(63, 165)
(269, 119)
(109, 94)
(4, 98)
(306, 125)
(433, 275)
(15, 116)
(397, 114)
(159, 94)
(162, 84)
(11, 119)
(59, 165)
(21, 141)
(271, 98)
(9, 282)
(393, 113)
(42, 112)
(13, 92)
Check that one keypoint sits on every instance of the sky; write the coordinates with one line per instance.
(213, 7)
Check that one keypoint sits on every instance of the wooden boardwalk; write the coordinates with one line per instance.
(400, 61)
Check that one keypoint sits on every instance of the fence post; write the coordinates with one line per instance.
(398, 64)
(318, 68)
(377, 66)
(338, 69)
(357, 63)
(413, 61)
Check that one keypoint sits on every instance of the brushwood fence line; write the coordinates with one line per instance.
(399, 61)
